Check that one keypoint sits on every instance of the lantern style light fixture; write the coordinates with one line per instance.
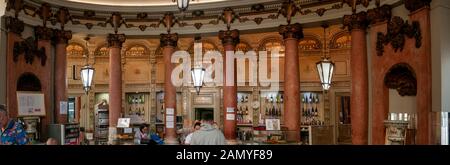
(182, 4)
(87, 72)
(198, 72)
(325, 67)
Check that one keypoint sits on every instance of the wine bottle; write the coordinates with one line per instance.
(281, 99)
(271, 99)
(246, 99)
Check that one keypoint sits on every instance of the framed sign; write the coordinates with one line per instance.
(272, 124)
(30, 104)
(123, 123)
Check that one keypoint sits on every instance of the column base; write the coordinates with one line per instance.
(231, 142)
(112, 136)
(171, 141)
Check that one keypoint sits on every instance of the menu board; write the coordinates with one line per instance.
(30, 104)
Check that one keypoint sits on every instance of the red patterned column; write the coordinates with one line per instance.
(291, 34)
(359, 100)
(61, 38)
(169, 42)
(229, 40)
(115, 77)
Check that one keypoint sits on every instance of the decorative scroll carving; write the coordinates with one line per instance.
(341, 40)
(29, 48)
(291, 31)
(379, 14)
(170, 39)
(75, 50)
(17, 5)
(229, 37)
(14, 25)
(397, 30)
(116, 40)
(136, 51)
(62, 16)
(402, 78)
(103, 51)
(356, 21)
(413, 5)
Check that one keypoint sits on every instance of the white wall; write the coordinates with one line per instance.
(440, 55)
(399, 104)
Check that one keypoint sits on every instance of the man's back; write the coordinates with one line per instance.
(208, 135)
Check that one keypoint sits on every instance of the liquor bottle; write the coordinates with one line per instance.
(273, 111)
(246, 99)
(242, 99)
(271, 99)
(310, 98)
(281, 99)
(246, 110)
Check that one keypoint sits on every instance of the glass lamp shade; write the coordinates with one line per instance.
(325, 70)
(87, 74)
(197, 76)
(183, 4)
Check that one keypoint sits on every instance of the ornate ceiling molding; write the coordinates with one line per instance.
(250, 16)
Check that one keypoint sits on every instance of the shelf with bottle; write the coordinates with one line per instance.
(244, 112)
(136, 104)
(312, 109)
(272, 106)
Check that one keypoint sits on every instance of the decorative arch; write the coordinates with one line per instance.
(75, 49)
(402, 78)
(243, 46)
(137, 50)
(271, 39)
(341, 40)
(102, 51)
(310, 42)
(28, 82)
(207, 46)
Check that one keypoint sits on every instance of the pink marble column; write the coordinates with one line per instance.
(229, 40)
(61, 38)
(115, 77)
(169, 42)
(359, 99)
(291, 34)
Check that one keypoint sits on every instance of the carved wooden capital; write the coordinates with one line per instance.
(288, 10)
(14, 25)
(291, 31)
(229, 37)
(170, 39)
(356, 21)
(379, 14)
(397, 30)
(116, 40)
(413, 5)
(61, 36)
(43, 33)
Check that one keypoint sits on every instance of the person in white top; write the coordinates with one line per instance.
(197, 126)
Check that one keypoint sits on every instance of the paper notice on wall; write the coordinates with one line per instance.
(170, 111)
(169, 124)
(230, 116)
(63, 107)
(230, 110)
(169, 118)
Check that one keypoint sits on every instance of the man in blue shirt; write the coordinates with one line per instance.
(12, 132)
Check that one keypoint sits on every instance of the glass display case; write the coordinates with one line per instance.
(101, 124)
(65, 134)
(312, 112)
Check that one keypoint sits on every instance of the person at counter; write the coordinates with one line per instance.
(12, 132)
(197, 127)
(141, 135)
(208, 134)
